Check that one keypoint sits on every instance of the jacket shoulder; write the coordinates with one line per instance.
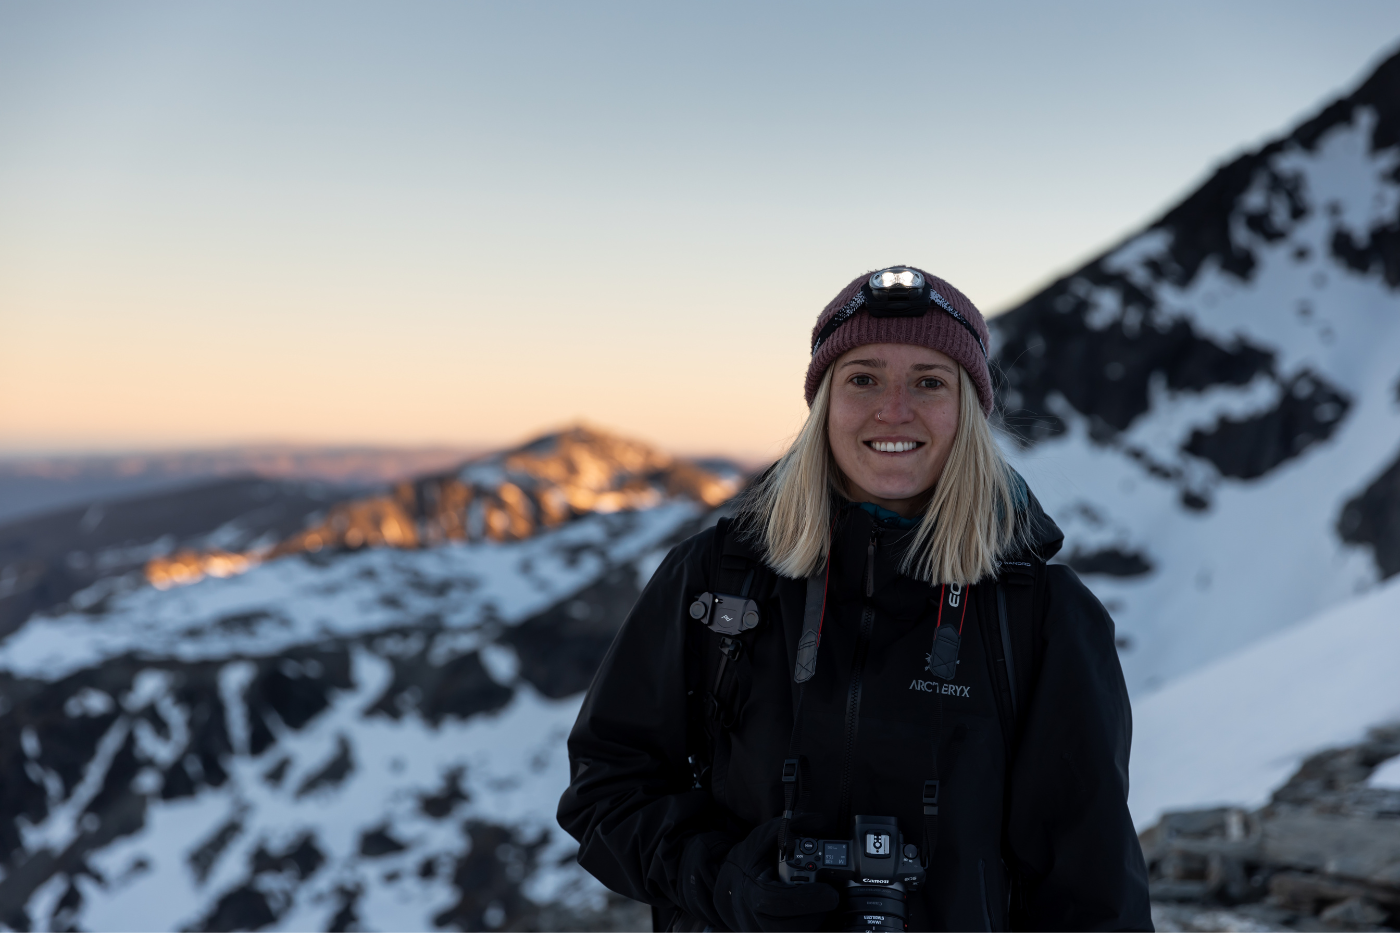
(696, 548)
(689, 560)
(1068, 592)
(1073, 613)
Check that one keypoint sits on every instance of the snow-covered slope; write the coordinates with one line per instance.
(1212, 409)
(337, 738)
(1232, 731)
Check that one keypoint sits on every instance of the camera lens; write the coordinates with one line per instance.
(873, 907)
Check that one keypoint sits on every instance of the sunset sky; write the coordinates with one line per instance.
(463, 223)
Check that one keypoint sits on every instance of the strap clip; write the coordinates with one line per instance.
(725, 614)
(789, 770)
(930, 798)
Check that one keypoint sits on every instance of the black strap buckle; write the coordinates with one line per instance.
(789, 770)
(725, 614)
(930, 798)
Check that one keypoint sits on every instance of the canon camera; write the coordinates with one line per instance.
(874, 872)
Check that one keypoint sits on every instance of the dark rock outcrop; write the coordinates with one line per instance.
(1372, 518)
(1323, 854)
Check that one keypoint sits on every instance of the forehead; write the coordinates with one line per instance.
(896, 356)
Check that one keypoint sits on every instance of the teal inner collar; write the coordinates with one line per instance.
(887, 518)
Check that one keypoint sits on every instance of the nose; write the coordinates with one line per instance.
(895, 407)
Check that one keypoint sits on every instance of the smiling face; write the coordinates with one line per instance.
(894, 412)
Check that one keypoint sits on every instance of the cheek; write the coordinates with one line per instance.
(942, 423)
(844, 422)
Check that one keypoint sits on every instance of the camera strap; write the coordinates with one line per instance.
(813, 613)
(943, 663)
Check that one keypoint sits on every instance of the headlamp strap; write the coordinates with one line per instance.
(957, 316)
(837, 319)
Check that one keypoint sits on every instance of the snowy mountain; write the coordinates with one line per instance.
(333, 735)
(1211, 410)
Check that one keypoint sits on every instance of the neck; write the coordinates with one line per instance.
(904, 508)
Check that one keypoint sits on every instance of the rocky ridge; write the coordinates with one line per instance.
(507, 496)
(1323, 854)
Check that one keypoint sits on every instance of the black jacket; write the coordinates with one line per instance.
(1056, 820)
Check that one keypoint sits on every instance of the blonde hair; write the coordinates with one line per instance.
(968, 524)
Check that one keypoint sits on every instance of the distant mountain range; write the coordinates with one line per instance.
(34, 485)
(272, 704)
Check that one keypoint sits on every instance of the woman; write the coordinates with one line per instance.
(875, 636)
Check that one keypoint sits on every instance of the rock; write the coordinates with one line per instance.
(1323, 854)
(1354, 913)
(1306, 892)
(1344, 846)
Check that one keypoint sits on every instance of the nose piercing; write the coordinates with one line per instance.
(878, 418)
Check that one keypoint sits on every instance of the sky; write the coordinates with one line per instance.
(453, 223)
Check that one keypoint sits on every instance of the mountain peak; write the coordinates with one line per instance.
(509, 495)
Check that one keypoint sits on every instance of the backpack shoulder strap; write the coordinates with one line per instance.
(1013, 619)
(736, 566)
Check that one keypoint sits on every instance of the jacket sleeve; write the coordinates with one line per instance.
(1078, 861)
(632, 805)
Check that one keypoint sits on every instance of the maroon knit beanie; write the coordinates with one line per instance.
(937, 329)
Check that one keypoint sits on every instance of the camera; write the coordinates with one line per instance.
(874, 872)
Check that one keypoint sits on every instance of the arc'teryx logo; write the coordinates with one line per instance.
(932, 686)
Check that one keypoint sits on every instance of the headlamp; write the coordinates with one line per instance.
(895, 292)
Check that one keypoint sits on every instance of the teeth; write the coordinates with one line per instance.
(893, 447)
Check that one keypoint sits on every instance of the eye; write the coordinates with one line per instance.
(931, 382)
(861, 379)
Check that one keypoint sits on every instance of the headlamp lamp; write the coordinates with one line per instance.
(890, 278)
(895, 292)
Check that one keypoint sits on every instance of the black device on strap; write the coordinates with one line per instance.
(895, 292)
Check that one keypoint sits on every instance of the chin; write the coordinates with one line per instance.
(899, 491)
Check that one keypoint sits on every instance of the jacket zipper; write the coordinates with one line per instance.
(867, 625)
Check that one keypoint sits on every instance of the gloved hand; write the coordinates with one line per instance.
(700, 864)
(750, 896)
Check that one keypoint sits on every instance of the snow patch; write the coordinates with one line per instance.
(1234, 730)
